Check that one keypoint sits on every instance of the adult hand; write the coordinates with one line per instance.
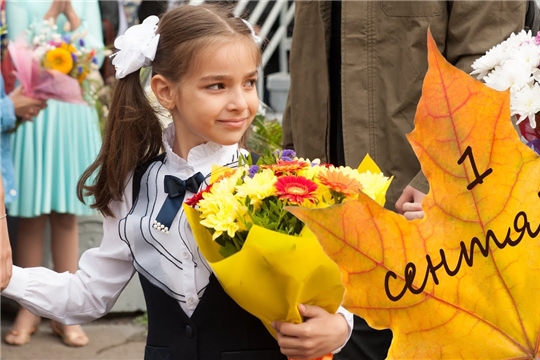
(26, 107)
(320, 333)
(57, 8)
(6, 262)
(410, 203)
(73, 19)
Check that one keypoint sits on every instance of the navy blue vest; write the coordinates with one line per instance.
(219, 329)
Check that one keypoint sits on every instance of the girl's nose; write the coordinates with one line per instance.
(238, 101)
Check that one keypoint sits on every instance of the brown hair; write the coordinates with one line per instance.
(133, 131)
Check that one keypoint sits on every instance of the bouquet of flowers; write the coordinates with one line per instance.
(263, 256)
(53, 66)
(514, 64)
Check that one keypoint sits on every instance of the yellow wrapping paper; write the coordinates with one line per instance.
(273, 272)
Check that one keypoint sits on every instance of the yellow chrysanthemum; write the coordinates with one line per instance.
(68, 47)
(259, 187)
(220, 209)
(374, 185)
(311, 172)
(223, 219)
(58, 59)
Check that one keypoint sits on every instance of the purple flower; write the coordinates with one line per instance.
(535, 145)
(537, 39)
(287, 155)
(80, 69)
(94, 60)
(81, 42)
(253, 169)
(66, 39)
(74, 57)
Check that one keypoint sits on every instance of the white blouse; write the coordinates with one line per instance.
(171, 261)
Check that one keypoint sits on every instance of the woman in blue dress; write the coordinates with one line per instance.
(49, 154)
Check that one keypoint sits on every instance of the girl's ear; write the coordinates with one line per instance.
(164, 91)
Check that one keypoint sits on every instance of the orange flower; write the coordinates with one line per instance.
(81, 77)
(58, 59)
(287, 167)
(339, 182)
(295, 189)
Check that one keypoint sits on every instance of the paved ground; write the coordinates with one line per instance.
(111, 338)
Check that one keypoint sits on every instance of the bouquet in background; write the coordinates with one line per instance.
(514, 64)
(262, 255)
(53, 66)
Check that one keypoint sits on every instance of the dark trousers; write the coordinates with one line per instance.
(365, 343)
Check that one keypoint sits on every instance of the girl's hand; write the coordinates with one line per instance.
(320, 334)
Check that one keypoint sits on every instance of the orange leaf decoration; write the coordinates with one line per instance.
(464, 282)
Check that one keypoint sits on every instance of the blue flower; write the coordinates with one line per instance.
(81, 42)
(66, 39)
(94, 60)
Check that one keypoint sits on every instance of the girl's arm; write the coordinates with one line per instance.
(6, 261)
(320, 334)
(89, 293)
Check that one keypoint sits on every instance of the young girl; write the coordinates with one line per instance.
(204, 62)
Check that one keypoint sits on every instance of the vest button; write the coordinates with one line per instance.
(189, 331)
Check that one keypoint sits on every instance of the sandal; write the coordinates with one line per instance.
(75, 338)
(20, 337)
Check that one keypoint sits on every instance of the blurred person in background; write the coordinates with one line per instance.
(364, 63)
(12, 106)
(50, 154)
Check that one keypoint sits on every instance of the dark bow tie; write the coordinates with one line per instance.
(176, 191)
(177, 187)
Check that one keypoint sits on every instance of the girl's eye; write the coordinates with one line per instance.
(251, 82)
(216, 86)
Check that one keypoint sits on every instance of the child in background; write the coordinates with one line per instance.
(204, 62)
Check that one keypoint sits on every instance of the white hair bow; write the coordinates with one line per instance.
(137, 47)
(257, 38)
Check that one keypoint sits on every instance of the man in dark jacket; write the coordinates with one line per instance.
(357, 69)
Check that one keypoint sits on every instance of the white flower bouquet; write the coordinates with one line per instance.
(513, 64)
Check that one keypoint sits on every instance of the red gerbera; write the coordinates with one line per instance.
(295, 189)
(194, 200)
(287, 167)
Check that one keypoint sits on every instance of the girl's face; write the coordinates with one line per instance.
(217, 100)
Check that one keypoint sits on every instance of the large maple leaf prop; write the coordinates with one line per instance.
(464, 282)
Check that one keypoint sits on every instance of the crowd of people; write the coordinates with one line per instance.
(363, 63)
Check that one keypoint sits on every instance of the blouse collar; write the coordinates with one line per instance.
(197, 156)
